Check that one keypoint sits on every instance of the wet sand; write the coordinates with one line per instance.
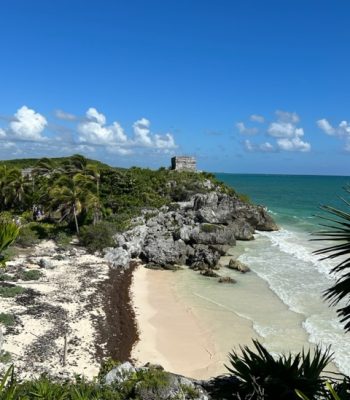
(170, 332)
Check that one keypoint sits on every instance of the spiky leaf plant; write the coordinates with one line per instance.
(8, 233)
(278, 378)
(338, 230)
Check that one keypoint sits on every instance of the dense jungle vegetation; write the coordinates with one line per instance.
(53, 198)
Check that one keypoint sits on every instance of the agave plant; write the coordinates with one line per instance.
(278, 378)
(338, 231)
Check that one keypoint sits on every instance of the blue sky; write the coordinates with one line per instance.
(246, 86)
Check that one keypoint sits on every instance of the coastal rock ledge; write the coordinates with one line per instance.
(194, 233)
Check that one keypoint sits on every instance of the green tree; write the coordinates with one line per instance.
(16, 189)
(71, 196)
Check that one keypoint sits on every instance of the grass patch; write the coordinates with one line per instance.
(7, 319)
(11, 291)
(31, 275)
(5, 277)
(5, 357)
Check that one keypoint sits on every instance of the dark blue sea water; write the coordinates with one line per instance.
(285, 259)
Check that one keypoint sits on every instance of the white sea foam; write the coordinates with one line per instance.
(284, 260)
(330, 333)
(298, 245)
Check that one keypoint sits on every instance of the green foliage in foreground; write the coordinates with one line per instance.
(338, 230)
(8, 234)
(265, 377)
(147, 384)
(338, 391)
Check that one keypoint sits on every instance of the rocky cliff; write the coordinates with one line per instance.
(194, 233)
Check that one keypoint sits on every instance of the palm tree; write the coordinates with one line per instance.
(43, 167)
(15, 189)
(338, 231)
(79, 164)
(72, 195)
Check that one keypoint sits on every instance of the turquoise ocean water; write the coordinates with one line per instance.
(285, 259)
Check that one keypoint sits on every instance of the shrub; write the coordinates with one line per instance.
(278, 378)
(7, 319)
(31, 275)
(97, 237)
(5, 357)
(10, 290)
(27, 237)
(6, 277)
(63, 238)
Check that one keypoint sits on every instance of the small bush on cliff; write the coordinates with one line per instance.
(278, 378)
(97, 237)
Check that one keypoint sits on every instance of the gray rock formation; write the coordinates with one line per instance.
(120, 374)
(196, 232)
(173, 386)
(238, 266)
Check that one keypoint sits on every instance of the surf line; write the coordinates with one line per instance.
(216, 303)
(222, 306)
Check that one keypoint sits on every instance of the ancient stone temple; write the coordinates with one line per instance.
(183, 163)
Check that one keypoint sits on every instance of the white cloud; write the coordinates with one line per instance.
(65, 116)
(266, 147)
(27, 125)
(164, 142)
(342, 131)
(284, 130)
(93, 115)
(144, 138)
(245, 130)
(142, 132)
(326, 127)
(248, 145)
(288, 135)
(285, 116)
(281, 129)
(257, 118)
(119, 150)
(94, 131)
(293, 144)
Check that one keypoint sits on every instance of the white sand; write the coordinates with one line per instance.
(172, 334)
(67, 288)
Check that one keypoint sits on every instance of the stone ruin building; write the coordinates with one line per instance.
(183, 163)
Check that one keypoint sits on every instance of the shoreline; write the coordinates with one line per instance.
(172, 332)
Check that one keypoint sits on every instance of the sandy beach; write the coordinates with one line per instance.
(78, 300)
(171, 332)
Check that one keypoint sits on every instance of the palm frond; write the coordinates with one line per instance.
(340, 232)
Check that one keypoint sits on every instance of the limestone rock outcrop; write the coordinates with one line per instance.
(194, 233)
